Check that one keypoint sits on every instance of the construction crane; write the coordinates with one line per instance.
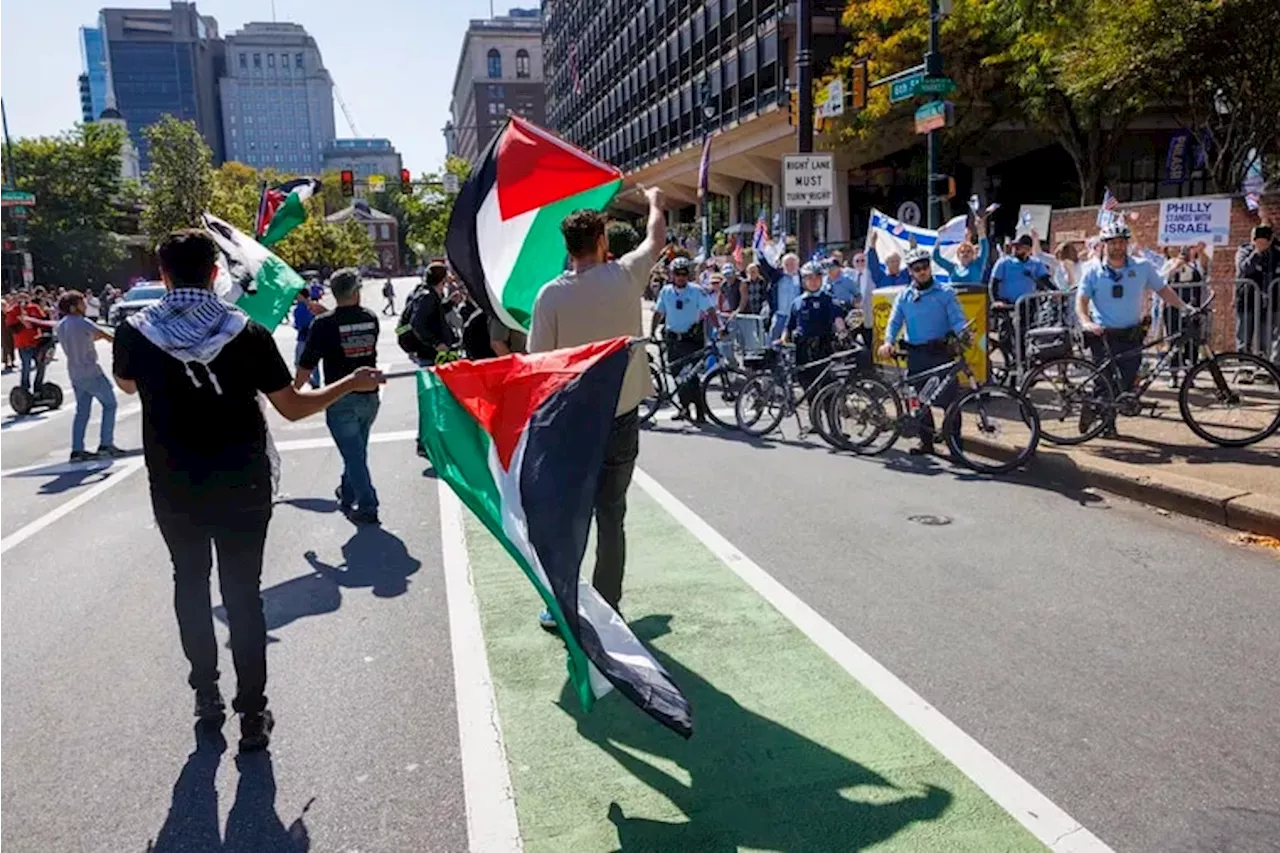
(351, 123)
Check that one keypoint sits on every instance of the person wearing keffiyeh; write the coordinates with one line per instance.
(199, 365)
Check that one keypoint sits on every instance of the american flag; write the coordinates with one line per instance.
(704, 167)
(1252, 201)
(737, 251)
(1109, 204)
(761, 236)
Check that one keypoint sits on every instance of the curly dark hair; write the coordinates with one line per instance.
(582, 231)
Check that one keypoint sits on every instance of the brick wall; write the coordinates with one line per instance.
(1082, 220)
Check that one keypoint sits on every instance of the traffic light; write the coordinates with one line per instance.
(859, 87)
(406, 182)
(348, 183)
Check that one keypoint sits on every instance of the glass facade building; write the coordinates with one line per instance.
(93, 67)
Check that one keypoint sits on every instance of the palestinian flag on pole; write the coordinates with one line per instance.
(521, 440)
(504, 238)
(282, 209)
(250, 276)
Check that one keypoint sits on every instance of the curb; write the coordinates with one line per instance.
(1224, 505)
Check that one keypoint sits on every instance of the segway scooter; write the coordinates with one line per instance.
(47, 395)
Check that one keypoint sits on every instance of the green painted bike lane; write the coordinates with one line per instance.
(789, 752)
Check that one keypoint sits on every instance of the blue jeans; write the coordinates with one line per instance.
(31, 358)
(86, 391)
(350, 420)
(779, 326)
(314, 381)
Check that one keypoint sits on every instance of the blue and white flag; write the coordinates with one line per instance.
(1107, 211)
(895, 237)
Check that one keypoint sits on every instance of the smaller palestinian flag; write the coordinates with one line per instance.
(282, 209)
(521, 440)
(250, 276)
(504, 239)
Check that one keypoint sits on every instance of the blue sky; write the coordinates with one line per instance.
(393, 60)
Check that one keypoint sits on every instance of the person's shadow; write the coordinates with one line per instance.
(754, 783)
(252, 825)
(372, 558)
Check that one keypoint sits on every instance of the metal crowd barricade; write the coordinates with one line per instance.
(1166, 321)
(1039, 310)
(1257, 327)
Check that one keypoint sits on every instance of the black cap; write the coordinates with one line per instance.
(1025, 240)
(1262, 232)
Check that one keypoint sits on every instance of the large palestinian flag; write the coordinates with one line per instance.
(283, 208)
(250, 276)
(521, 439)
(504, 238)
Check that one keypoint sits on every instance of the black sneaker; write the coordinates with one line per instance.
(83, 456)
(345, 506)
(255, 730)
(209, 705)
(923, 448)
(365, 516)
(111, 451)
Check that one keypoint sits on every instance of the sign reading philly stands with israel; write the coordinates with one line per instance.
(1188, 221)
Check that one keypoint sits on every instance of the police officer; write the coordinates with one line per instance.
(1014, 276)
(1111, 305)
(680, 309)
(932, 316)
(840, 284)
(813, 321)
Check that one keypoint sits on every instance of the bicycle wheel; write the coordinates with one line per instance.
(1074, 403)
(864, 415)
(992, 429)
(720, 390)
(1222, 409)
(820, 414)
(653, 400)
(761, 405)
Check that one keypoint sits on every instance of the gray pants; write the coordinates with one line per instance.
(611, 506)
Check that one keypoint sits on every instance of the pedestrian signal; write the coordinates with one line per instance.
(348, 183)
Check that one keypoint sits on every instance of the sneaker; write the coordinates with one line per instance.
(343, 505)
(923, 448)
(1088, 414)
(547, 621)
(255, 730)
(209, 705)
(1173, 382)
(111, 451)
(83, 456)
(365, 516)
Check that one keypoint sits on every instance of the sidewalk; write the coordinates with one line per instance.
(1159, 461)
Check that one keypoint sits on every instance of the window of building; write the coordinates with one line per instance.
(522, 63)
(244, 60)
(284, 60)
(297, 60)
(373, 232)
(271, 60)
(495, 63)
(257, 60)
(385, 231)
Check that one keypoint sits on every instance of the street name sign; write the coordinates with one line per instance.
(907, 87)
(936, 86)
(808, 180)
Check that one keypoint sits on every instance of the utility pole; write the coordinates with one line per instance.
(933, 68)
(804, 121)
(8, 148)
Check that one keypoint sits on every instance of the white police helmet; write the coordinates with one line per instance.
(810, 269)
(915, 256)
(1116, 229)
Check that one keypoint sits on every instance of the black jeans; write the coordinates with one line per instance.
(611, 506)
(240, 538)
(678, 348)
(1125, 346)
(920, 359)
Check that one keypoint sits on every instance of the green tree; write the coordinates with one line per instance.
(427, 212)
(234, 194)
(180, 180)
(76, 181)
(319, 243)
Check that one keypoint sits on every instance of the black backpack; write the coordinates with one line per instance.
(475, 337)
(405, 336)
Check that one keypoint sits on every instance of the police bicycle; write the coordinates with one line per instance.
(769, 395)
(719, 382)
(992, 429)
(1078, 398)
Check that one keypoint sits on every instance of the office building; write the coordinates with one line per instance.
(364, 157)
(93, 74)
(163, 62)
(277, 99)
(499, 71)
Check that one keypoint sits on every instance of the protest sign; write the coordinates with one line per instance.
(1034, 217)
(1187, 221)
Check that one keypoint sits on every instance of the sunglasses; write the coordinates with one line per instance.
(681, 273)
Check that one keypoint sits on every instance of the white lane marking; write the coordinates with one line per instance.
(327, 441)
(21, 424)
(486, 780)
(1045, 820)
(27, 531)
(666, 415)
(54, 468)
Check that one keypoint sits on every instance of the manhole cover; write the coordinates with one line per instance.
(929, 520)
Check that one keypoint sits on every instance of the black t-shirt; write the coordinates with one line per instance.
(203, 448)
(343, 339)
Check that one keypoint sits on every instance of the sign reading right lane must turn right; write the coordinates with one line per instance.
(808, 180)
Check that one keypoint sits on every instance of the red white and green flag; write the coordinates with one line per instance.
(521, 440)
(250, 276)
(283, 208)
(504, 239)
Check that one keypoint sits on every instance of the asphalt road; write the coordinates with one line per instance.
(1121, 661)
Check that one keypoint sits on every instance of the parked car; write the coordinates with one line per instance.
(138, 297)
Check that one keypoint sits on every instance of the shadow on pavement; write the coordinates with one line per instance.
(72, 475)
(753, 783)
(312, 504)
(372, 558)
(252, 825)
(1141, 451)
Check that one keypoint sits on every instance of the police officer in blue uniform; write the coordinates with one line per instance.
(814, 320)
(1013, 277)
(931, 314)
(1111, 306)
(680, 309)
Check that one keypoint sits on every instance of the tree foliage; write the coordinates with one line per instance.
(180, 180)
(76, 181)
(622, 237)
(428, 211)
